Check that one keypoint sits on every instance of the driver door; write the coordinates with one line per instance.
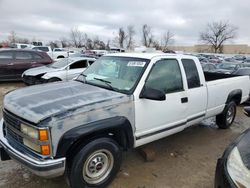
(156, 119)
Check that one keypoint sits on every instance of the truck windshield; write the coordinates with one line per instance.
(116, 73)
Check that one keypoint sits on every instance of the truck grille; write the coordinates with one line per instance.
(12, 123)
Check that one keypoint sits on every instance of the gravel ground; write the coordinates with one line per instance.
(184, 160)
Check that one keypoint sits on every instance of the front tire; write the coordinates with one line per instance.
(96, 164)
(226, 118)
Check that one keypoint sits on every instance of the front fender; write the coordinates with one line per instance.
(110, 125)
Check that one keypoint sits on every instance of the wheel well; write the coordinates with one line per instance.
(119, 135)
(60, 56)
(55, 78)
(235, 96)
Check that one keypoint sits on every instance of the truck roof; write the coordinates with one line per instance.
(148, 55)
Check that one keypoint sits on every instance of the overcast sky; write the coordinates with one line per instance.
(50, 20)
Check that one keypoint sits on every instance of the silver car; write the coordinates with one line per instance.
(63, 69)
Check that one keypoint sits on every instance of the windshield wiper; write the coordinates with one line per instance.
(108, 83)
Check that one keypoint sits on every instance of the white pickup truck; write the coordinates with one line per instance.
(56, 53)
(80, 128)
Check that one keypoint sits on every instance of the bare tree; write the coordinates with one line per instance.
(167, 39)
(12, 38)
(77, 37)
(89, 44)
(147, 36)
(65, 42)
(98, 44)
(107, 46)
(53, 44)
(121, 37)
(217, 33)
(130, 36)
(156, 45)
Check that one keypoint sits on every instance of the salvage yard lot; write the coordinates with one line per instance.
(187, 159)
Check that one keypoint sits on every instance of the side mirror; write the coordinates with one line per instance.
(152, 94)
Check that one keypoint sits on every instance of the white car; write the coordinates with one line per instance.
(64, 69)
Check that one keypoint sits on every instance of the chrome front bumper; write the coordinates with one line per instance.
(47, 168)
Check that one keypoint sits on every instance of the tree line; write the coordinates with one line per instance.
(216, 34)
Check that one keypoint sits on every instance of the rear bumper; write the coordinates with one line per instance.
(46, 168)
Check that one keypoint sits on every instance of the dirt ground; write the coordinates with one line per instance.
(184, 160)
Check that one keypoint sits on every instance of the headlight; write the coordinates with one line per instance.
(238, 172)
(36, 139)
(30, 131)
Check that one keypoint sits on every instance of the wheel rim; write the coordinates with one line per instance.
(230, 114)
(98, 166)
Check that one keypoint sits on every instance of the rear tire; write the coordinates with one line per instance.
(95, 165)
(226, 118)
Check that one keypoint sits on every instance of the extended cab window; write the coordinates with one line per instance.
(165, 76)
(192, 74)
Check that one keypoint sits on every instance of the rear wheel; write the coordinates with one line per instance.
(96, 164)
(226, 118)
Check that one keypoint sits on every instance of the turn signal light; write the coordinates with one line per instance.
(43, 134)
(45, 150)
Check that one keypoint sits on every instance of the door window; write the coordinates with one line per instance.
(79, 65)
(192, 74)
(6, 55)
(165, 76)
(36, 56)
(23, 56)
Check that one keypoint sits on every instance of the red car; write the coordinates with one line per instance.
(13, 62)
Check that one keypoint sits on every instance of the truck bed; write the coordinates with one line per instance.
(211, 76)
(219, 87)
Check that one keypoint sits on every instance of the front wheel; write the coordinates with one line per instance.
(96, 164)
(226, 118)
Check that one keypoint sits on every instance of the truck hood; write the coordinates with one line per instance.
(40, 70)
(36, 103)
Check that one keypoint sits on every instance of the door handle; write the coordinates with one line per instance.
(184, 100)
(10, 64)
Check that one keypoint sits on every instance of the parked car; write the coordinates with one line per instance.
(247, 60)
(233, 168)
(56, 53)
(231, 60)
(208, 67)
(239, 57)
(64, 69)
(203, 60)
(13, 62)
(227, 68)
(242, 71)
(122, 101)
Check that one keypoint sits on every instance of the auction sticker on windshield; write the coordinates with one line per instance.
(136, 64)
